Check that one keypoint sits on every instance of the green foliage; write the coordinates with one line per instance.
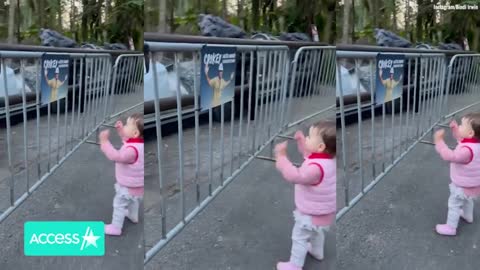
(367, 32)
(188, 22)
(292, 16)
(295, 21)
(191, 16)
(423, 25)
(471, 2)
(30, 33)
(124, 19)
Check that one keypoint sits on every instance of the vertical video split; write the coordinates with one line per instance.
(71, 128)
(237, 95)
(408, 95)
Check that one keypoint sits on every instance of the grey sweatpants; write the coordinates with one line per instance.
(124, 205)
(457, 202)
(303, 234)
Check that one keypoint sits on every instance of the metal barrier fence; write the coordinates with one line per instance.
(127, 84)
(310, 95)
(40, 137)
(375, 137)
(211, 154)
(463, 84)
(312, 86)
(201, 168)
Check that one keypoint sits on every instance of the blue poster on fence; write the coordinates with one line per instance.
(217, 83)
(389, 83)
(54, 85)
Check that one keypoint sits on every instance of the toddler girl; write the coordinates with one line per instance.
(315, 191)
(128, 171)
(464, 170)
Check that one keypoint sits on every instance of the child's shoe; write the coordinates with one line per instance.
(111, 229)
(287, 266)
(309, 246)
(467, 219)
(445, 229)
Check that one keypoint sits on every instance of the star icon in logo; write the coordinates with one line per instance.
(89, 239)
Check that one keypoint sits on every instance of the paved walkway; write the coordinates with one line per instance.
(248, 226)
(81, 189)
(393, 226)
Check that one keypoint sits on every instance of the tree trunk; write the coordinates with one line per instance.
(346, 17)
(264, 17)
(98, 20)
(31, 7)
(383, 20)
(41, 10)
(427, 30)
(84, 28)
(353, 21)
(373, 12)
(3, 17)
(419, 31)
(394, 12)
(224, 9)
(18, 22)
(255, 14)
(172, 15)
(162, 16)
(273, 22)
(240, 13)
(107, 13)
(407, 17)
(475, 39)
(277, 17)
(72, 16)
(327, 31)
(60, 14)
(11, 21)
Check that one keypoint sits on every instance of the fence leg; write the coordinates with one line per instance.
(271, 148)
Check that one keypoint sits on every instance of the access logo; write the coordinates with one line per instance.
(64, 238)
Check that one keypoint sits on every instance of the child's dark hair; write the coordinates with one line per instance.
(328, 130)
(474, 119)
(139, 122)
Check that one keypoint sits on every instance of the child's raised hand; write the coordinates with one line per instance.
(281, 149)
(298, 135)
(103, 137)
(438, 136)
(453, 124)
(118, 124)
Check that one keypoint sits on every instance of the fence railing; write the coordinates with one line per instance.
(39, 137)
(198, 170)
(127, 84)
(310, 94)
(463, 83)
(312, 84)
(199, 153)
(375, 137)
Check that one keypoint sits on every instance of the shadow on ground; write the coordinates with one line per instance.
(393, 226)
(248, 226)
